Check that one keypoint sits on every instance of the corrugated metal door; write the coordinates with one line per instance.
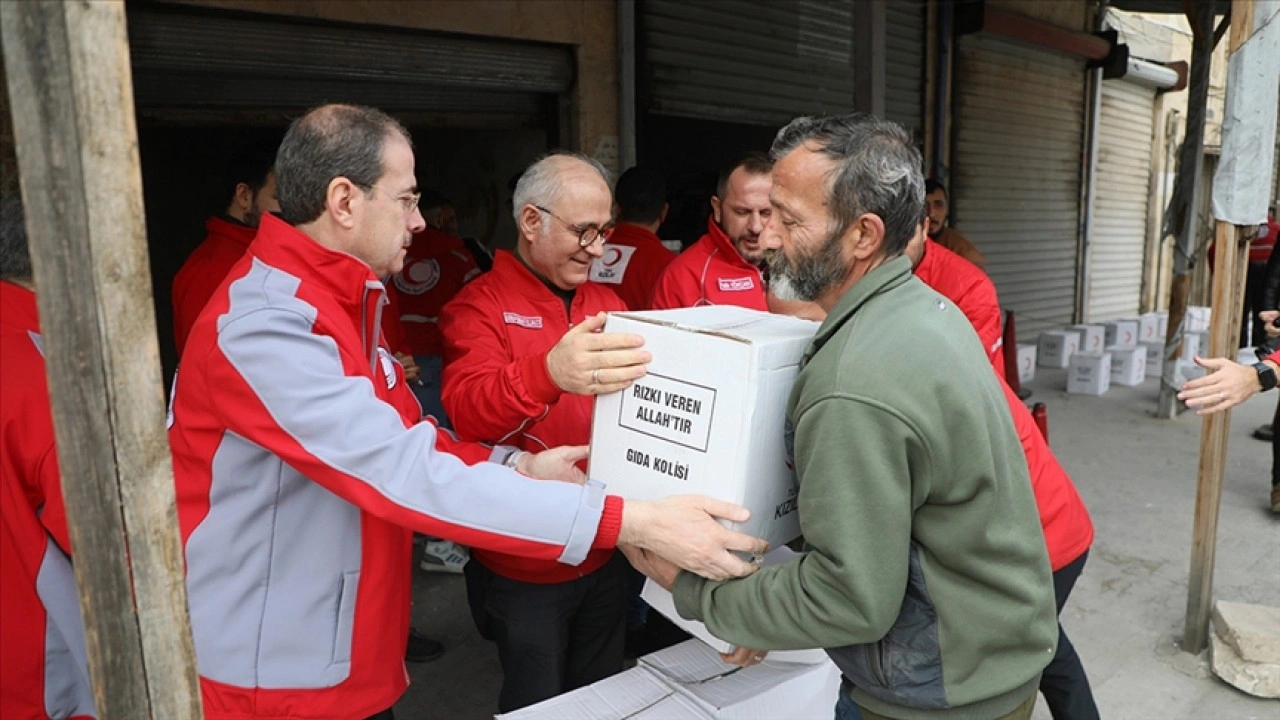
(1122, 180)
(744, 61)
(191, 59)
(1015, 190)
(904, 66)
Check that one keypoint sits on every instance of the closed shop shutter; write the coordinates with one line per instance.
(184, 58)
(1122, 180)
(904, 66)
(743, 61)
(1015, 190)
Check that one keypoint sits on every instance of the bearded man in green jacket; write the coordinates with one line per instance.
(926, 577)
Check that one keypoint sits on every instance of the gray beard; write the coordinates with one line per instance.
(809, 276)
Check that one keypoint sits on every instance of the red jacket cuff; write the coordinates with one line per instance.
(610, 523)
(537, 379)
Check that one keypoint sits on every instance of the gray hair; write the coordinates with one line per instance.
(877, 171)
(15, 258)
(541, 183)
(328, 142)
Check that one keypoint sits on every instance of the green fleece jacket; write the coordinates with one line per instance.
(926, 577)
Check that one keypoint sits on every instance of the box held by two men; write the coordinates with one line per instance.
(1092, 337)
(1128, 365)
(1089, 374)
(1056, 348)
(1026, 363)
(1122, 333)
(663, 602)
(710, 416)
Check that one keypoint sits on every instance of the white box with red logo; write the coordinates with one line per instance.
(1193, 344)
(1155, 355)
(1092, 337)
(1148, 327)
(1196, 318)
(1128, 365)
(1056, 348)
(1162, 329)
(1122, 333)
(1089, 374)
(1026, 363)
(710, 415)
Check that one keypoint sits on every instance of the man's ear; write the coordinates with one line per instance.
(868, 240)
(662, 216)
(715, 208)
(343, 200)
(530, 222)
(243, 197)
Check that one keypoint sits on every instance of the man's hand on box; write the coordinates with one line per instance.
(744, 657)
(588, 362)
(682, 529)
(655, 568)
(555, 464)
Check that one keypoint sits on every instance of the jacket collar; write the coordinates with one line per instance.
(236, 232)
(721, 243)
(282, 245)
(517, 276)
(889, 275)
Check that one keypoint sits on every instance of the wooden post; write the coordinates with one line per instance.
(1231, 243)
(71, 94)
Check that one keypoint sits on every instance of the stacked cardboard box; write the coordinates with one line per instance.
(1089, 373)
(1128, 365)
(1092, 337)
(1057, 347)
(1026, 363)
(1122, 333)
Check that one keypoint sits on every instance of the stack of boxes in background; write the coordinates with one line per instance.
(1122, 352)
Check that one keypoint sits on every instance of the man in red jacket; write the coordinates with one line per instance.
(302, 465)
(44, 672)
(633, 259)
(523, 360)
(723, 267)
(253, 193)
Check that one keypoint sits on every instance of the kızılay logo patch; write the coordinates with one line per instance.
(737, 284)
(524, 321)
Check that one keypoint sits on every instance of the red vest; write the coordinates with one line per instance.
(710, 272)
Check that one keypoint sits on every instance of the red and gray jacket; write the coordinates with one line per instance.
(964, 284)
(204, 270)
(710, 272)
(301, 466)
(496, 388)
(631, 263)
(43, 669)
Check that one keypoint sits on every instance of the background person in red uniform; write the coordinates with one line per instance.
(633, 259)
(938, 208)
(723, 267)
(253, 192)
(44, 672)
(523, 361)
(302, 464)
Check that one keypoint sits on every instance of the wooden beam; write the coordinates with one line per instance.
(1044, 34)
(67, 68)
(1231, 243)
(869, 56)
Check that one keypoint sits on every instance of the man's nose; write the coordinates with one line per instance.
(757, 223)
(596, 248)
(770, 238)
(416, 222)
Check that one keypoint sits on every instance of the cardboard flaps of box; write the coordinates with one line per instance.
(709, 417)
(689, 681)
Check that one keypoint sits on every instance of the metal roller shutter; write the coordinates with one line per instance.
(746, 62)
(193, 59)
(904, 66)
(1122, 180)
(1015, 191)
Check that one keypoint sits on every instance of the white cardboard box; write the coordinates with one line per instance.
(1122, 333)
(1187, 370)
(1191, 345)
(1089, 373)
(1163, 328)
(709, 417)
(1056, 348)
(1128, 365)
(1149, 327)
(1092, 337)
(1155, 354)
(1026, 363)
(635, 694)
(663, 602)
(1196, 318)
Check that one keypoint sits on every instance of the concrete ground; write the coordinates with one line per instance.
(1126, 615)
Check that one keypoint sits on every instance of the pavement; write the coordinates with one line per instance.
(1126, 615)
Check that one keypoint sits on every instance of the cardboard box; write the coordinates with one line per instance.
(772, 689)
(1196, 319)
(635, 694)
(1122, 333)
(1162, 329)
(1128, 365)
(709, 417)
(1026, 363)
(1148, 327)
(662, 601)
(1089, 373)
(1186, 370)
(1092, 337)
(1191, 345)
(1056, 348)
(1155, 355)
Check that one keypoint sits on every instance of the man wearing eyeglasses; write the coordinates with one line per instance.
(523, 358)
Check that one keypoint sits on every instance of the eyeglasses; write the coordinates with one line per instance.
(587, 234)
(408, 202)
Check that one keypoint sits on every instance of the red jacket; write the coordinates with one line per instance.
(1068, 531)
(43, 669)
(495, 386)
(631, 263)
(436, 267)
(972, 291)
(204, 270)
(301, 467)
(710, 272)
